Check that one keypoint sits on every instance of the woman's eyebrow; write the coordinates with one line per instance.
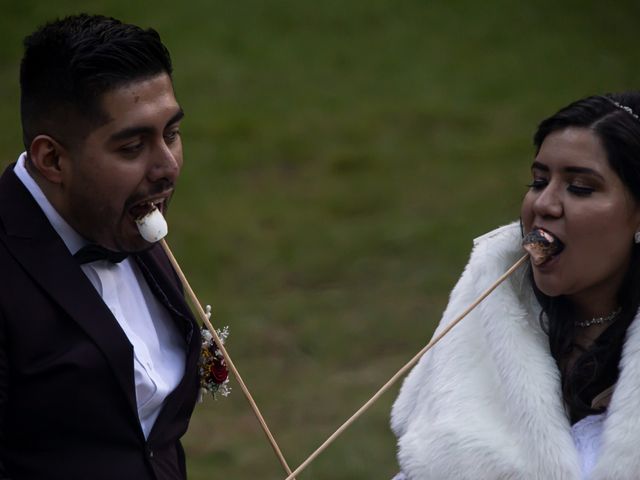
(583, 170)
(539, 166)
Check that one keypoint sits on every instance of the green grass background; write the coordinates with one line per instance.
(340, 156)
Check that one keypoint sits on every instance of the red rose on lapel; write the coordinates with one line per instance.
(214, 375)
(218, 370)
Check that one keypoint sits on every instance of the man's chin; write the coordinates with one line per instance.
(142, 246)
(135, 244)
(128, 239)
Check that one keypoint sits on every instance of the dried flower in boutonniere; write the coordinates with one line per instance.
(214, 375)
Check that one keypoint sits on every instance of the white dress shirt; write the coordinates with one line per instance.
(159, 351)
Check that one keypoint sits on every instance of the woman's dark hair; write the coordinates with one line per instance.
(70, 63)
(614, 119)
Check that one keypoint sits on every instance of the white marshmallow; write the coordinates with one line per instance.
(152, 227)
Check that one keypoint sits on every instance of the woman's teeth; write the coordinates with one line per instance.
(152, 226)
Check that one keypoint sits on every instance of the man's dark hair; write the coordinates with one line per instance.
(70, 63)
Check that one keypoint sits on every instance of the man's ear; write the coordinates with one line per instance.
(45, 154)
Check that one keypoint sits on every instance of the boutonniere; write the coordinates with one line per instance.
(214, 375)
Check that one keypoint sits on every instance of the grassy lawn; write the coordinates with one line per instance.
(340, 158)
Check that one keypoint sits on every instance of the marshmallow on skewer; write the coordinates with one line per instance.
(152, 227)
(541, 245)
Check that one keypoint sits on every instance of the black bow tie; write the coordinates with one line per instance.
(92, 253)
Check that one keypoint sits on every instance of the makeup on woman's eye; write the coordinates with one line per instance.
(581, 190)
(537, 184)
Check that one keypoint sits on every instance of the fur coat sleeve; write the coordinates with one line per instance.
(485, 403)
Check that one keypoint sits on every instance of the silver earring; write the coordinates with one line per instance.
(636, 237)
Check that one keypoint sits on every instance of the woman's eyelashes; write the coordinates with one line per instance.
(574, 188)
(537, 184)
(581, 190)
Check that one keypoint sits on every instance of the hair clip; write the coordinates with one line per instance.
(624, 107)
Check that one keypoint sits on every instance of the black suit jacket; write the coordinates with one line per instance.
(67, 396)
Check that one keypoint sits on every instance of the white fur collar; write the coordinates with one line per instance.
(485, 403)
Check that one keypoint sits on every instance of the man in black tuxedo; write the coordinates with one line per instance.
(98, 355)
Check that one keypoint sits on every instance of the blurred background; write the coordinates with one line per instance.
(340, 156)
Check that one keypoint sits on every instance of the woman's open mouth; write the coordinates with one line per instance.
(542, 246)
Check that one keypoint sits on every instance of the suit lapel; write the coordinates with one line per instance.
(42, 253)
(158, 272)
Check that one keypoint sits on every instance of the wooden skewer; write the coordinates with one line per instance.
(405, 369)
(205, 319)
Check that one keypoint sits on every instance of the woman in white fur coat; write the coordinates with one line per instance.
(542, 380)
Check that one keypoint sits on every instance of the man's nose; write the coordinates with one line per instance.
(166, 163)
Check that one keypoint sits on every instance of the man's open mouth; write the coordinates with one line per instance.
(142, 209)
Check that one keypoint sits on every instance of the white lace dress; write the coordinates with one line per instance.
(587, 436)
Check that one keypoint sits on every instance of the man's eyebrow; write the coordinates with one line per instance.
(144, 129)
(176, 118)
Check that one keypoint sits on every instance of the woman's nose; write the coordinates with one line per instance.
(548, 203)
